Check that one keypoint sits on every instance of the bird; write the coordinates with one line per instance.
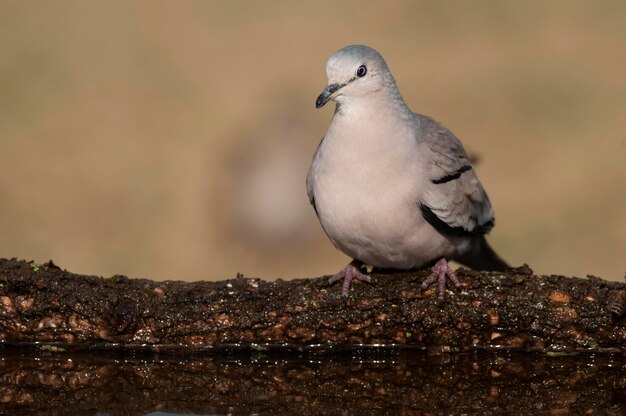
(394, 189)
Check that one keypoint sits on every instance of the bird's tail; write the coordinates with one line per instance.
(482, 257)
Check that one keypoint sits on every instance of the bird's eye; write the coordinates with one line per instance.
(361, 71)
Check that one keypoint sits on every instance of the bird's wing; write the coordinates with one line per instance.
(309, 190)
(453, 200)
(310, 178)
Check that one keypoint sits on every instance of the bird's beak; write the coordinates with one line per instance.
(330, 92)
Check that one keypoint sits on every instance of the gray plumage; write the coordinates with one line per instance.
(392, 188)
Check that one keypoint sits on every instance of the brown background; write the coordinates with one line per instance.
(172, 139)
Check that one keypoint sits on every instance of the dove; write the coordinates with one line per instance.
(391, 188)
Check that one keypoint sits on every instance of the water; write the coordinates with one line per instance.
(352, 383)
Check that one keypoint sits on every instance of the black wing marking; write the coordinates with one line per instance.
(441, 226)
(314, 207)
(451, 177)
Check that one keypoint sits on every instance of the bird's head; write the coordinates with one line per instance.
(354, 71)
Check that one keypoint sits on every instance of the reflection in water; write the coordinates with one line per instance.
(357, 383)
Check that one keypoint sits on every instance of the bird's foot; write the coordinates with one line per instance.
(351, 271)
(440, 271)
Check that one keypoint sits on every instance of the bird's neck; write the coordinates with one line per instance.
(368, 126)
(384, 106)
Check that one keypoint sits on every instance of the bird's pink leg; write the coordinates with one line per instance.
(440, 271)
(348, 273)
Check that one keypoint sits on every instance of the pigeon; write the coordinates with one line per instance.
(394, 189)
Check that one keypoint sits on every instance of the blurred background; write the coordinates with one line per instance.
(171, 139)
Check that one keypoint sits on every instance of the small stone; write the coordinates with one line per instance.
(560, 297)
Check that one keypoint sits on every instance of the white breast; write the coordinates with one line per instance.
(366, 184)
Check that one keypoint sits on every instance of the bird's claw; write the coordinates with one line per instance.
(351, 271)
(440, 271)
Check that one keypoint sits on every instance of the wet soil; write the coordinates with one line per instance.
(44, 306)
(502, 343)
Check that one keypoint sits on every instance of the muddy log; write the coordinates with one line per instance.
(50, 308)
